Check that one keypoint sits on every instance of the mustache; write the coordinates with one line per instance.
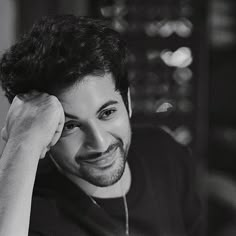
(112, 147)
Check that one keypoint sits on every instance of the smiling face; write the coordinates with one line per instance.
(96, 135)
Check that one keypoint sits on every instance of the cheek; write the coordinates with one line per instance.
(121, 126)
(66, 148)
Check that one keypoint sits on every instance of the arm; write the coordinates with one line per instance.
(17, 167)
(33, 124)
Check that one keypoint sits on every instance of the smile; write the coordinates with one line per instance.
(103, 161)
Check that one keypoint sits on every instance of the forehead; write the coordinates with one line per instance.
(89, 94)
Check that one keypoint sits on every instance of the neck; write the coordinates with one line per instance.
(119, 189)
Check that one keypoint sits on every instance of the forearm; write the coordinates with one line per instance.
(18, 166)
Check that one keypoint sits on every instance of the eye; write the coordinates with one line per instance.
(70, 127)
(107, 114)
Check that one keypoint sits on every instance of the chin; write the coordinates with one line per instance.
(106, 177)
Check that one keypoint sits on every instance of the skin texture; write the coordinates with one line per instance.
(33, 124)
(89, 146)
(36, 119)
(96, 135)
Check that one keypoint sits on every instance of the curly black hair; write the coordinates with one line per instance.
(59, 51)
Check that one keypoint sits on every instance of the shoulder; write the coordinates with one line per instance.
(164, 158)
(156, 143)
(172, 169)
(43, 215)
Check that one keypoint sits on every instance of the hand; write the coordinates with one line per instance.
(35, 119)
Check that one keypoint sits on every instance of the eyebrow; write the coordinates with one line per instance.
(111, 102)
(71, 116)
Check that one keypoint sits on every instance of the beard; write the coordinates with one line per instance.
(106, 176)
(101, 176)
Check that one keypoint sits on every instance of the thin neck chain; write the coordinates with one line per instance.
(126, 215)
(126, 211)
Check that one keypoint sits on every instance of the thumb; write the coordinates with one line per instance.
(4, 134)
(59, 129)
(57, 134)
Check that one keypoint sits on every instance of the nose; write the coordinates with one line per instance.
(97, 138)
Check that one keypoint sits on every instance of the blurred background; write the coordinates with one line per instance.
(181, 66)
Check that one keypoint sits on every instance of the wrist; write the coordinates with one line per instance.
(28, 147)
(19, 158)
(27, 141)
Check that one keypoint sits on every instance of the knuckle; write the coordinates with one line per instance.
(53, 100)
(17, 98)
(44, 95)
(54, 104)
(4, 133)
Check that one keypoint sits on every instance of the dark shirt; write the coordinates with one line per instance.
(162, 199)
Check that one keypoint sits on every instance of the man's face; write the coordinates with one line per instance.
(96, 135)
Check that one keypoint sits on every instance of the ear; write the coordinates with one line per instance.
(129, 103)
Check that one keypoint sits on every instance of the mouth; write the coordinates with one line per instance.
(103, 161)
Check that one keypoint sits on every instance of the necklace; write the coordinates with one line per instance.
(95, 203)
(126, 211)
(126, 215)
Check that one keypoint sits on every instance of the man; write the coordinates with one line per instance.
(67, 82)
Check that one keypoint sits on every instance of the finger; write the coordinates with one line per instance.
(58, 132)
(43, 154)
(4, 134)
(29, 95)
